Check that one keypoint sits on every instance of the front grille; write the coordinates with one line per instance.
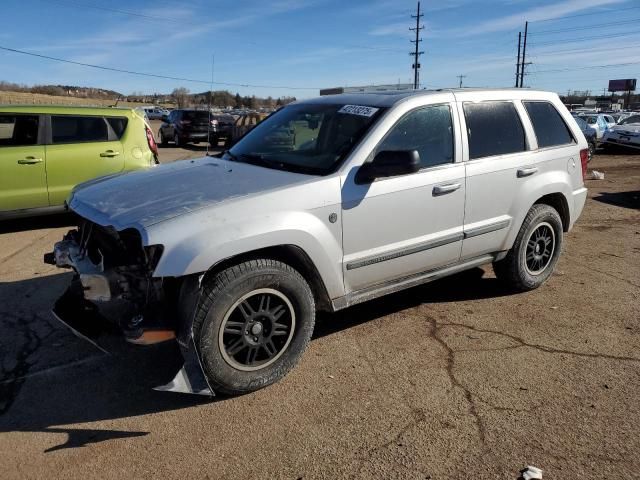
(108, 245)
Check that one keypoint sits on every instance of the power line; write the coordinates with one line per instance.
(588, 67)
(574, 50)
(616, 10)
(153, 75)
(597, 25)
(592, 37)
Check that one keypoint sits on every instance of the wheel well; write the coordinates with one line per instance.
(560, 204)
(293, 256)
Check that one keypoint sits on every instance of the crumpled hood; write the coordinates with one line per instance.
(143, 198)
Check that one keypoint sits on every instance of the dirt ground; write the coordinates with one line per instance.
(460, 378)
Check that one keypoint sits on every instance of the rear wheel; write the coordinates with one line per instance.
(176, 140)
(534, 254)
(163, 139)
(253, 324)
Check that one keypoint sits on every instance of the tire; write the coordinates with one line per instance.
(163, 139)
(176, 140)
(526, 266)
(233, 339)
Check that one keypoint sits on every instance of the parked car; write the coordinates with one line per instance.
(625, 134)
(381, 192)
(598, 123)
(244, 123)
(224, 127)
(589, 134)
(46, 151)
(188, 126)
(155, 113)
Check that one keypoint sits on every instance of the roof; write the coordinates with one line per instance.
(64, 109)
(390, 98)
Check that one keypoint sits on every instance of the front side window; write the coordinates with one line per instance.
(306, 138)
(76, 129)
(494, 128)
(548, 125)
(428, 130)
(17, 130)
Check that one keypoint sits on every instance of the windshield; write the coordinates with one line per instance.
(306, 138)
(631, 119)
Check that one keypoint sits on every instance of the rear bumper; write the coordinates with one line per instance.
(579, 199)
(614, 141)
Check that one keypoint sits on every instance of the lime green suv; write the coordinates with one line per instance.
(46, 151)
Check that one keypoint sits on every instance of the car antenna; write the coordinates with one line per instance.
(213, 59)
(115, 104)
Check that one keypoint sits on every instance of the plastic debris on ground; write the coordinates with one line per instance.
(531, 473)
(595, 175)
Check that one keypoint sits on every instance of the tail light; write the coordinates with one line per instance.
(152, 142)
(584, 158)
(214, 122)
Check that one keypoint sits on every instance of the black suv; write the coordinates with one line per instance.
(185, 126)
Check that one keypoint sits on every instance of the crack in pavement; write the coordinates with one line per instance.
(542, 348)
(14, 375)
(24, 247)
(473, 410)
(588, 267)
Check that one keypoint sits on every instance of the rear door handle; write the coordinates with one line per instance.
(444, 189)
(29, 161)
(109, 153)
(526, 172)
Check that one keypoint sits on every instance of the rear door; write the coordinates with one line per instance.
(499, 163)
(81, 147)
(23, 178)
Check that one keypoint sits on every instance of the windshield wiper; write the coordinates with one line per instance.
(257, 159)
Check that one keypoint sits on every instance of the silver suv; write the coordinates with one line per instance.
(327, 203)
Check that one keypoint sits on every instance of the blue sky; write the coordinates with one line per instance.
(314, 44)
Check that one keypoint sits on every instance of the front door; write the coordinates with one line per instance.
(398, 226)
(81, 148)
(23, 177)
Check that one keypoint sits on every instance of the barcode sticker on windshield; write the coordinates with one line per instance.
(358, 110)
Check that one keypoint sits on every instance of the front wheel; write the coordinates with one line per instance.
(252, 325)
(592, 150)
(535, 252)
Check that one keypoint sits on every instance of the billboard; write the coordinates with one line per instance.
(626, 85)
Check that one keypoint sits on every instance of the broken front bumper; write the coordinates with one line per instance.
(96, 290)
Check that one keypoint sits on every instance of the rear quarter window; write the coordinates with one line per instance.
(118, 125)
(548, 125)
(18, 130)
(494, 128)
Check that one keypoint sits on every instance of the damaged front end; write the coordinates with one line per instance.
(114, 291)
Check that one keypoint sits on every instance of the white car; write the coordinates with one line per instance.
(599, 123)
(626, 133)
(369, 194)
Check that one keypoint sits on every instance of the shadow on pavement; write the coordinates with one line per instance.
(464, 286)
(100, 387)
(621, 199)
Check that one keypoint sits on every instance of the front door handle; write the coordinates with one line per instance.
(526, 172)
(444, 189)
(109, 153)
(29, 160)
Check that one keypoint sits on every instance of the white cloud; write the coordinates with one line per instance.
(546, 12)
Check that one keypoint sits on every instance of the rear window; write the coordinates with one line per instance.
(548, 125)
(199, 117)
(118, 125)
(16, 130)
(494, 128)
(76, 129)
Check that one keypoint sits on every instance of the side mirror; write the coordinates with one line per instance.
(165, 118)
(389, 164)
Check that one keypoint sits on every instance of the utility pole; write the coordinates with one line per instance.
(518, 62)
(416, 54)
(524, 54)
(460, 77)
